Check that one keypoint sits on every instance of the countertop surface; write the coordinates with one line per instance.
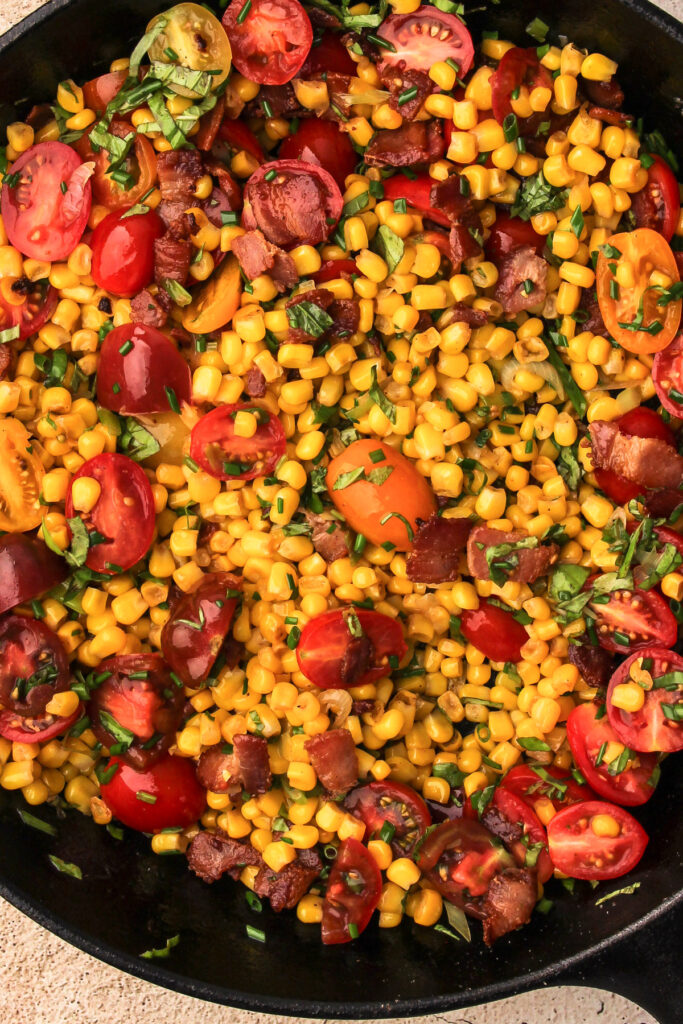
(47, 981)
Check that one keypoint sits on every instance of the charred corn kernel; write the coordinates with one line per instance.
(628, 696)
(403, 872)
(604, 825)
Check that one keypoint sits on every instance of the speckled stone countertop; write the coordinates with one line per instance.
(46, 981)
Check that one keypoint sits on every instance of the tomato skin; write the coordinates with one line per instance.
(518, 811)
(129, 526)
(27, 568)
(657, 205)
(380, 802)
(667, 376)
(27, 646)
(577, 851)
(241, 139)
(191, 652)
(217, 301)
(425, 36)
(586, 734)
(180, 800)
(321, 142)
(416, 192)
(364, 504)
(325, 639)
(33, 308)
(460, 858)
(20, 729)
(510, 233)
(142, 373)
(644, 613)
(196, 38)
(123, 252)
(332, 269)
(41, 220)
(272, 42)
(343, 905)
(523, 781)
(517, 67)
(99, 92)
(329, 54)
(638, 422)
(495, 632)
(214, 443)
(141, 159)
(648, 730)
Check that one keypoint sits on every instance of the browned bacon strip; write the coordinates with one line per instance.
(211, 856)
(649, 462)
(437, 547)
(333, 756)
(530, 562)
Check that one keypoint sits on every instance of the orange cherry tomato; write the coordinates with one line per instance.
(217, 301)
(140, 165)
(626, 308)
(21, 478)
(385, 508)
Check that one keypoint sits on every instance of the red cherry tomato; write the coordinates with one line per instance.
(416, 192)
(533, 784)
(579, 849)
(192, 638)
(667, 376)
(140, 370)
(165, 795)
(588, 737)
(33, 665)
(240, 139)
(658, 725)
(495, 632)
(639, 422)
(220, 452)
(657, 205)
(426, 36)
(461, 858)
(29, 729)
(123, 513)
(99, 92)
(27, 568)
(665, 535)
(46, 205)
(517, 67)
(531, 849)
(321, 142)
(633, 619)
(30, 304)
(332, 269)
(510, 233)
(329, 54)
(348, 647)
(353, 892)
(123, 251)
(140, 165)
(390, 803)
(271, 43)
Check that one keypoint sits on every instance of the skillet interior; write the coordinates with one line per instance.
(130, 900)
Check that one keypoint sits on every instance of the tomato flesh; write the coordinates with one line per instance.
(381, 803)
(33, 665)
(241, 139)
(633, 619)
(26, 304)
(165, 795)
(416, 192)
(35, 729)
(192, 638)
(321, 142)
(272, 42)
(329, 54)
(425, 36)
(531, 849)
(667, 375)
(588, 737)
(220, 452)
(141, 371)
(140, 165)
(461, 858)
(639, 422)
(330, 270)
(510, 233)
(517, 67)
(657, 205)
(650, 730)
(21, 478)
(495, 632)
(99, 92)
(27, 568)
(545, 783)
(353, 891)
(349, 647)
(123, 251)
(580, 851)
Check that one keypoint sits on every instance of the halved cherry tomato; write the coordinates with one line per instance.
(645, 251)
(30, 304)
(390, 803)
(510, 233)
(33, 665)
(588, 738)
(460, 858)
(494, 631)
(140, 370)
(217, 301)
(545, 783)
(427, 35)
(658, 725)
(531, 849)
(123, 513)
(638, 422)
(353, 892)
(196, 39)
(416, 192)
(46, 204)
(27, 568)
(28, 729)
(328, 54)
(665, 535)
(140, 165)
(667, 377)
(99, 92)
(321, 142)
(165, 795)
(220, 452)
(21, 479)
(271, 42)
(633, 619)
(384, 508)
(332, 269)
(192, 638)
(517, 67)
(123, 251)
(241, 139)
(579, 847)
(348, 647)
(657, 205)
(137, 708)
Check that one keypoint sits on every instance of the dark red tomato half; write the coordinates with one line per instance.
(658, 725)
(517, 67)
(321, 142)
(123, 515)
(639, 422)
(165, 795)
(667, 376)
(192, 638)
(390, 803)
(416, 192)
(136, 708)
(658, 204)
(495, 632)
(46, 204)
(588, 737)
(28, 304)
(349, 647)
(427, 35)
(35, 729)
(141, 371)
(271, 43)
(27, 568)
(353, 891)
(331, 269)
(329, 54)
(460, 858)
(220, 452)
(99, 92)
(510, 233)
(578, 849)
(123, 251)
(533, 784)
(633, 619)
(531, 849)
(33, 665)
(240, 139)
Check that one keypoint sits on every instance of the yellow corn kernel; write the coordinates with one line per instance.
(85, 493)
(628, 696)
(598, 68)
(309, 909)
(403, 872)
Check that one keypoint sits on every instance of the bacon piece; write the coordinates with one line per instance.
(647, 461)
(613, 117)
(517, 268)
(356, 660)
(447, 197)
(179, 172)
(226, 183)
(397, 80)
(285, 888)
(258, 256)
(209, 124)
(281, 101)
(509, 902)
(172, 258)
(5, 359)
(345, 314)
(594, 663)
(212, 855)
(338, 84)
(437, 548)
(218, 771)
(334, 759)
(460, 313)
(255, 383)
(149, 309)
(603, 94)
(531, 562)
(323, 298)
(594, 322)
(290, 211)
(419, 142)
(328, 537)
(253, 764)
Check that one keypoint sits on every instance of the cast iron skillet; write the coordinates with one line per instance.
(130, 900)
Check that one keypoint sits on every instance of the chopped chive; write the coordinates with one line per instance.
(172, 398)
(126, 348)
(255, 933)
(407, 95)
(244, 12)
(147, 798)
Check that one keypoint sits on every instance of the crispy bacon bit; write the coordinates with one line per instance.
(209, 124)
(339, 109)
(613, 117)
(218, 771)
(289, 210)
(211, 856)
(258, 256)
(447, 197)
(416, 143)
(356, 660)
(604, 94)
(149, 309)
(521, 280)
(530, 562)
(285, 888)
(179, 172)
(398, 80)
(594, 663)
(437, 548)
(345, 314)
(255, 383)
(594, 322)
(334, 759)
(328, 537)
(509, 902)
(323, 298)
(647, 461)
(460, 313)
(226, 183)
(281, 101)
(253, 764)
(172, 258)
